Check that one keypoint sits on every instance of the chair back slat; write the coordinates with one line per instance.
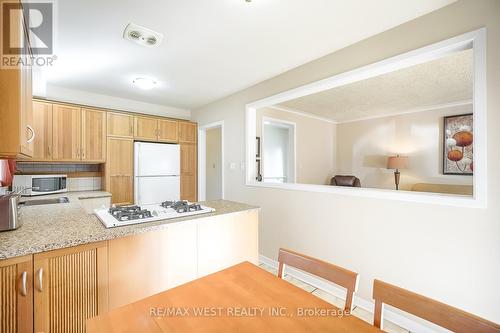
(336, 274)
(426, 308)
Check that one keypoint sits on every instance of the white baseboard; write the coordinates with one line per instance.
(364, 304)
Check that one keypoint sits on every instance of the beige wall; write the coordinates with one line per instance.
(449, 253)
(315, 145)
(363, 147)
(213, 164)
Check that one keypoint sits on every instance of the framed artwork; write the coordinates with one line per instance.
(257, 146)
(458, 150)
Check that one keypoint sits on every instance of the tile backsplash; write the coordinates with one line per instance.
(84, 184)
(51, 167)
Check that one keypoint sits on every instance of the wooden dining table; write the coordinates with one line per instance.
(241, 298)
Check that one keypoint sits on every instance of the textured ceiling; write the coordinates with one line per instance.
(210, 48)
(442, 81)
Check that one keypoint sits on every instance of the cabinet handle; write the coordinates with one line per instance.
(131, 129)
(24, 290)
(32, 134)
(40, 280)
(48, 150)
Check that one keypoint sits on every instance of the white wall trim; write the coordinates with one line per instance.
(475, 39)
(302, 113)
(340, 292)
(202, 158)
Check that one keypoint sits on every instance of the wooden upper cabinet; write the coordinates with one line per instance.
(168, 130)
(71, 286)
(120, 125)
(42, 124)
(16, 295)
(187, 132)
(145, 128)
(120, 170)
(16, 119)
(66, 138)
(93, 135)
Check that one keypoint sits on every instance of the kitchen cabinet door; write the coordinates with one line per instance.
(93, 135)
(167, 130)
(42, 124)
(71, 286)
(120, 125)
(16, 295)
(66, 129)
(188, 172)
(145, 128)
(120, 170)
(16, 118)
(187, 132)
(188, 158)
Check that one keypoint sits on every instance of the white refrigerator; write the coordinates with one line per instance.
(156, 172)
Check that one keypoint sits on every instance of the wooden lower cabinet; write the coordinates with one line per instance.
(70, 286)
(66, 287)
(16, 295)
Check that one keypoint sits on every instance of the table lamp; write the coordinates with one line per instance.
(397, 162)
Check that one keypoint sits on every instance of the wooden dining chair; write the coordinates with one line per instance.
(426, 308)
(323, 269)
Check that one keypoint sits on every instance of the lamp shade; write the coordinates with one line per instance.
(397, 162)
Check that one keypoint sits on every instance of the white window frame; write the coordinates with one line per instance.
(475, 39)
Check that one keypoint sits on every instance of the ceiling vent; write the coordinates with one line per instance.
(142, 36)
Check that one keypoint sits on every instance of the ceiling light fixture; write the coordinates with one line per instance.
(144, 83)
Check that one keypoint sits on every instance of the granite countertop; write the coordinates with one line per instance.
(57, 226)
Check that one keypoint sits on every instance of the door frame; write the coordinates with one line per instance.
(292, 139)
(202, 158)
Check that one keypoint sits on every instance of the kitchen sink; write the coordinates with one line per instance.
(38, 202)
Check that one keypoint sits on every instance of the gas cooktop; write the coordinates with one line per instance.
(125, 215)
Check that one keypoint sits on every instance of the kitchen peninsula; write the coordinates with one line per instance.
(67, 259)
